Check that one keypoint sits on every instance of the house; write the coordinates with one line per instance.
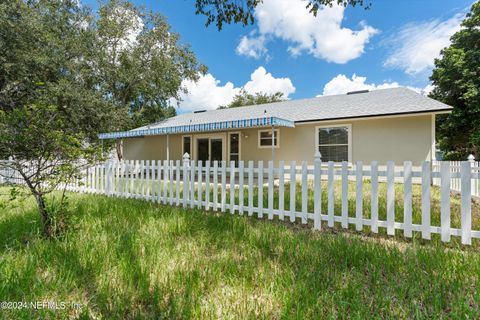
(391, 124)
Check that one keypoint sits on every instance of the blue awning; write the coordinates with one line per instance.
(204, 127)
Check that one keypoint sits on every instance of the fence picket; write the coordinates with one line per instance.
(165, 182)
(270, 190)
(240, 186)
(331, 200)
(232, 187)
(317, 193)
(215, 185)
(199, 184)
(426, 179)
(177, 183)
(445, 201)
(207, 185)
(147, 179)
(142, 181)
(170, 182)
(344, 194)
(359, 196)
(281, 190)
(260, 189)
(192, 184)
(407, 199)
(390, 198)
(466, 204)
(304, 192)
(153, 174)
(293, 185)
(224, 186)
(135, 180)
(185, 182)
(374, 197)
(250, 188)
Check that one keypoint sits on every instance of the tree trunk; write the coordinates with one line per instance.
(119, 147)
(45, 217)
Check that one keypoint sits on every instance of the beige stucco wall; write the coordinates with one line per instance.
(381, 139)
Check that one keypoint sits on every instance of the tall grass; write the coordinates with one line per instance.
(131, 259)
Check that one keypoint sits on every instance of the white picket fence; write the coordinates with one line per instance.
(226, 187)
(456, 183)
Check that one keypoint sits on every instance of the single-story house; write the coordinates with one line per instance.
(391, 124)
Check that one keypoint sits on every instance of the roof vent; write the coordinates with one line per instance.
(199, 111)
(357, 92)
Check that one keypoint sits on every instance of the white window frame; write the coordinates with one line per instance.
(277, 136)
(239, 145)
(191, 145)
(349, 127)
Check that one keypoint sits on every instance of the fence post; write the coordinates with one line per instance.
(471, 160)
(317, 203)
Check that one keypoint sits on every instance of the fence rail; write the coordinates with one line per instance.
(327, 193)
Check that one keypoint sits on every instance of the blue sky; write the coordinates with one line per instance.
(391, 44)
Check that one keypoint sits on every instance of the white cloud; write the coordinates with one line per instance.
(322, 36)
(417, 44)
(262, 81)
(208, 94)
(341, 84)
(253, 47)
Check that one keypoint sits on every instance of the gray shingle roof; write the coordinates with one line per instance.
(373, 103)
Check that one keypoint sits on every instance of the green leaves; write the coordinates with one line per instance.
(223, 12)
(141, 63)
(457, 82)
(247, 99)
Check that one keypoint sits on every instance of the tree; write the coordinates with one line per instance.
(67, 74)
(50, 111)
(247, 99)
(228, 11)
(456, 78)
(141, 64)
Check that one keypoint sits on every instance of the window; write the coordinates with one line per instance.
(334, 143)
(235, 147)
(187, 145)
(265, 138)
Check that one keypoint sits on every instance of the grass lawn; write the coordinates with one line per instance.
(126, 258)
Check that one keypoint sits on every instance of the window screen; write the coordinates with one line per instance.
(333, 143)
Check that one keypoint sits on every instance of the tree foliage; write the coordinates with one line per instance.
(50, 111)
(223, 12)
(247, 99)
(456, 78)
(67, 74)
(141, 63)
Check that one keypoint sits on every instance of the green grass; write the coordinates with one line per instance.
(126, 258)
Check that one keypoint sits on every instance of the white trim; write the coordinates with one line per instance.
(434, 147)
(349, 127)
(407, 115)
(277, 136)
(239, 144)
(191, 145)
